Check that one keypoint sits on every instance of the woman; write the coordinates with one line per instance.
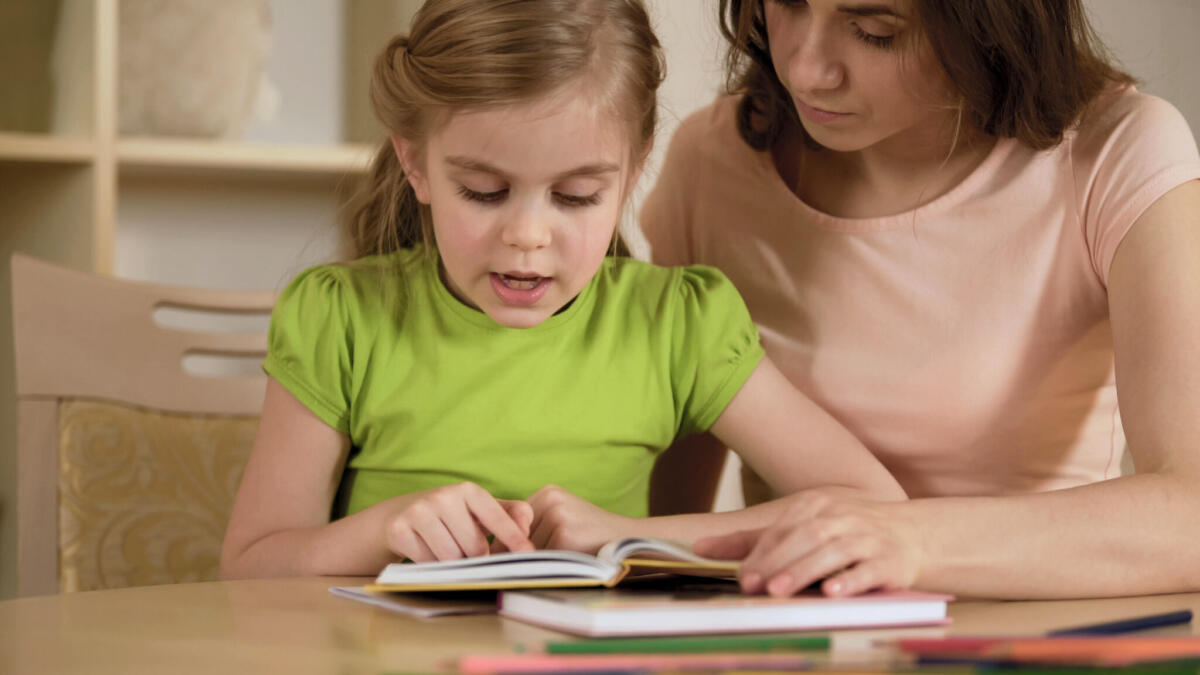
(963, 232)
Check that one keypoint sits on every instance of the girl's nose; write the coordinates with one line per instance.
(527, 230)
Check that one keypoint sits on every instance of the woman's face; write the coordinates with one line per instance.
(857, 72)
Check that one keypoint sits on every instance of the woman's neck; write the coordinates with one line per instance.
(890, 177)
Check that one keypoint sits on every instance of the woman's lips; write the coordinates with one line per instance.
(819, 115)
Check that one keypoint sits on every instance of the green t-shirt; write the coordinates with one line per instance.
(437, 393)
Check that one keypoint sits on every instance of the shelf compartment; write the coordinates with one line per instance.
(139, 154)
(15, 146)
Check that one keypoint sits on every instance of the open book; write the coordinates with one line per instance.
(552, 569)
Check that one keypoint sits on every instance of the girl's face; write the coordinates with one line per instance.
(525, 200)
(853, 72)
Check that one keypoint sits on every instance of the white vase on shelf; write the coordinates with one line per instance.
(193, 67)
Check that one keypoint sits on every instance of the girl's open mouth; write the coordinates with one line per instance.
(520, 290)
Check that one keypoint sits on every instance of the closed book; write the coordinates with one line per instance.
(619, 611)
(551, 569)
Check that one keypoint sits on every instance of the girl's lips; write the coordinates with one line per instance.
(817, 115)
(518, 290)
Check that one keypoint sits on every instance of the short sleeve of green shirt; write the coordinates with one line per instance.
(715, 346)
(310, 342)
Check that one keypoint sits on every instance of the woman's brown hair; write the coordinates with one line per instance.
(1025, 69)
(462, 55)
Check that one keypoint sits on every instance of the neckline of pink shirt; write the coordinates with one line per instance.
(955, 195)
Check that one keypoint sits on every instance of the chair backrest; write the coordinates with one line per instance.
(126, 462)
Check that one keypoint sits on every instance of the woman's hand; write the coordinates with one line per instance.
(853, 544)
(453, 521)
(562, 520)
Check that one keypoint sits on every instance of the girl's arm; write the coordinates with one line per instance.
(280, 521)
(778, 431)
(1126, 536)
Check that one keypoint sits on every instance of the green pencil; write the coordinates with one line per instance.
(699, 643)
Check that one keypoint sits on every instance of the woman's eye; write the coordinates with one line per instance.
(577, 200)
(880, 41)
(482, 197)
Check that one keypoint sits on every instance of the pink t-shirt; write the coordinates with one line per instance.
(967, 342)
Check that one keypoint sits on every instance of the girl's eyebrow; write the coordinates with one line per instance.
(483, 167)
(870, 10)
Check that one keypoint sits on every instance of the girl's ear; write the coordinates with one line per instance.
(410, 162)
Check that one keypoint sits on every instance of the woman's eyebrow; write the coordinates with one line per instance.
(870, 10)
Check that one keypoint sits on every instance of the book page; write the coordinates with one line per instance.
(663, 555)
(501, 567)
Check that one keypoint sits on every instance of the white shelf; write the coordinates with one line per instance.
(140, 154)
(44, 148)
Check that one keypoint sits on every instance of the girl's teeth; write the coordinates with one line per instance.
(520, 284)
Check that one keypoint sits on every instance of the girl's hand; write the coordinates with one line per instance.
(853, 544)
(562, 520)
(453, 521)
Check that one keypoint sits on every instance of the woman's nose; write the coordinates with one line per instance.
(813, 65)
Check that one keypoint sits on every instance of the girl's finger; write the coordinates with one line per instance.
(495, 519)
(467, 532)
(437, 537)
(403, 541)
(521, 513)
(543, 535)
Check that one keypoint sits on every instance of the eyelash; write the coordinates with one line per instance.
(573, 201)
(879, 41)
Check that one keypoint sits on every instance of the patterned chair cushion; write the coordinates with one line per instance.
(144, 495)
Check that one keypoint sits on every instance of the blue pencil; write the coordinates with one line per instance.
(1128, 625)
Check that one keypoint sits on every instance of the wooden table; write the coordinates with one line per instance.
(295, 626)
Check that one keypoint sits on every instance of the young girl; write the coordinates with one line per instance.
(488, 351)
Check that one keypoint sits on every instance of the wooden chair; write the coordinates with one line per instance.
(127, 463)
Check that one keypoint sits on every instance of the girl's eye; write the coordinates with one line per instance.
(880, 41)
(577, 200)
(482, 197)
(790, 3)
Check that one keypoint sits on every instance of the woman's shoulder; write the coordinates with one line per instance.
(1123, 115)
(710, 128)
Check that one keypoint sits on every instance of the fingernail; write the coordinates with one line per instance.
(835, 588)
(782, 584)
(752, 582)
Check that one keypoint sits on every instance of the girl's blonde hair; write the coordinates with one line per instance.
(467, 55)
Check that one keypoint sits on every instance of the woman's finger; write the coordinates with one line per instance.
(784, 543)
(865, 576)
(828, 559)
(733, 546)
